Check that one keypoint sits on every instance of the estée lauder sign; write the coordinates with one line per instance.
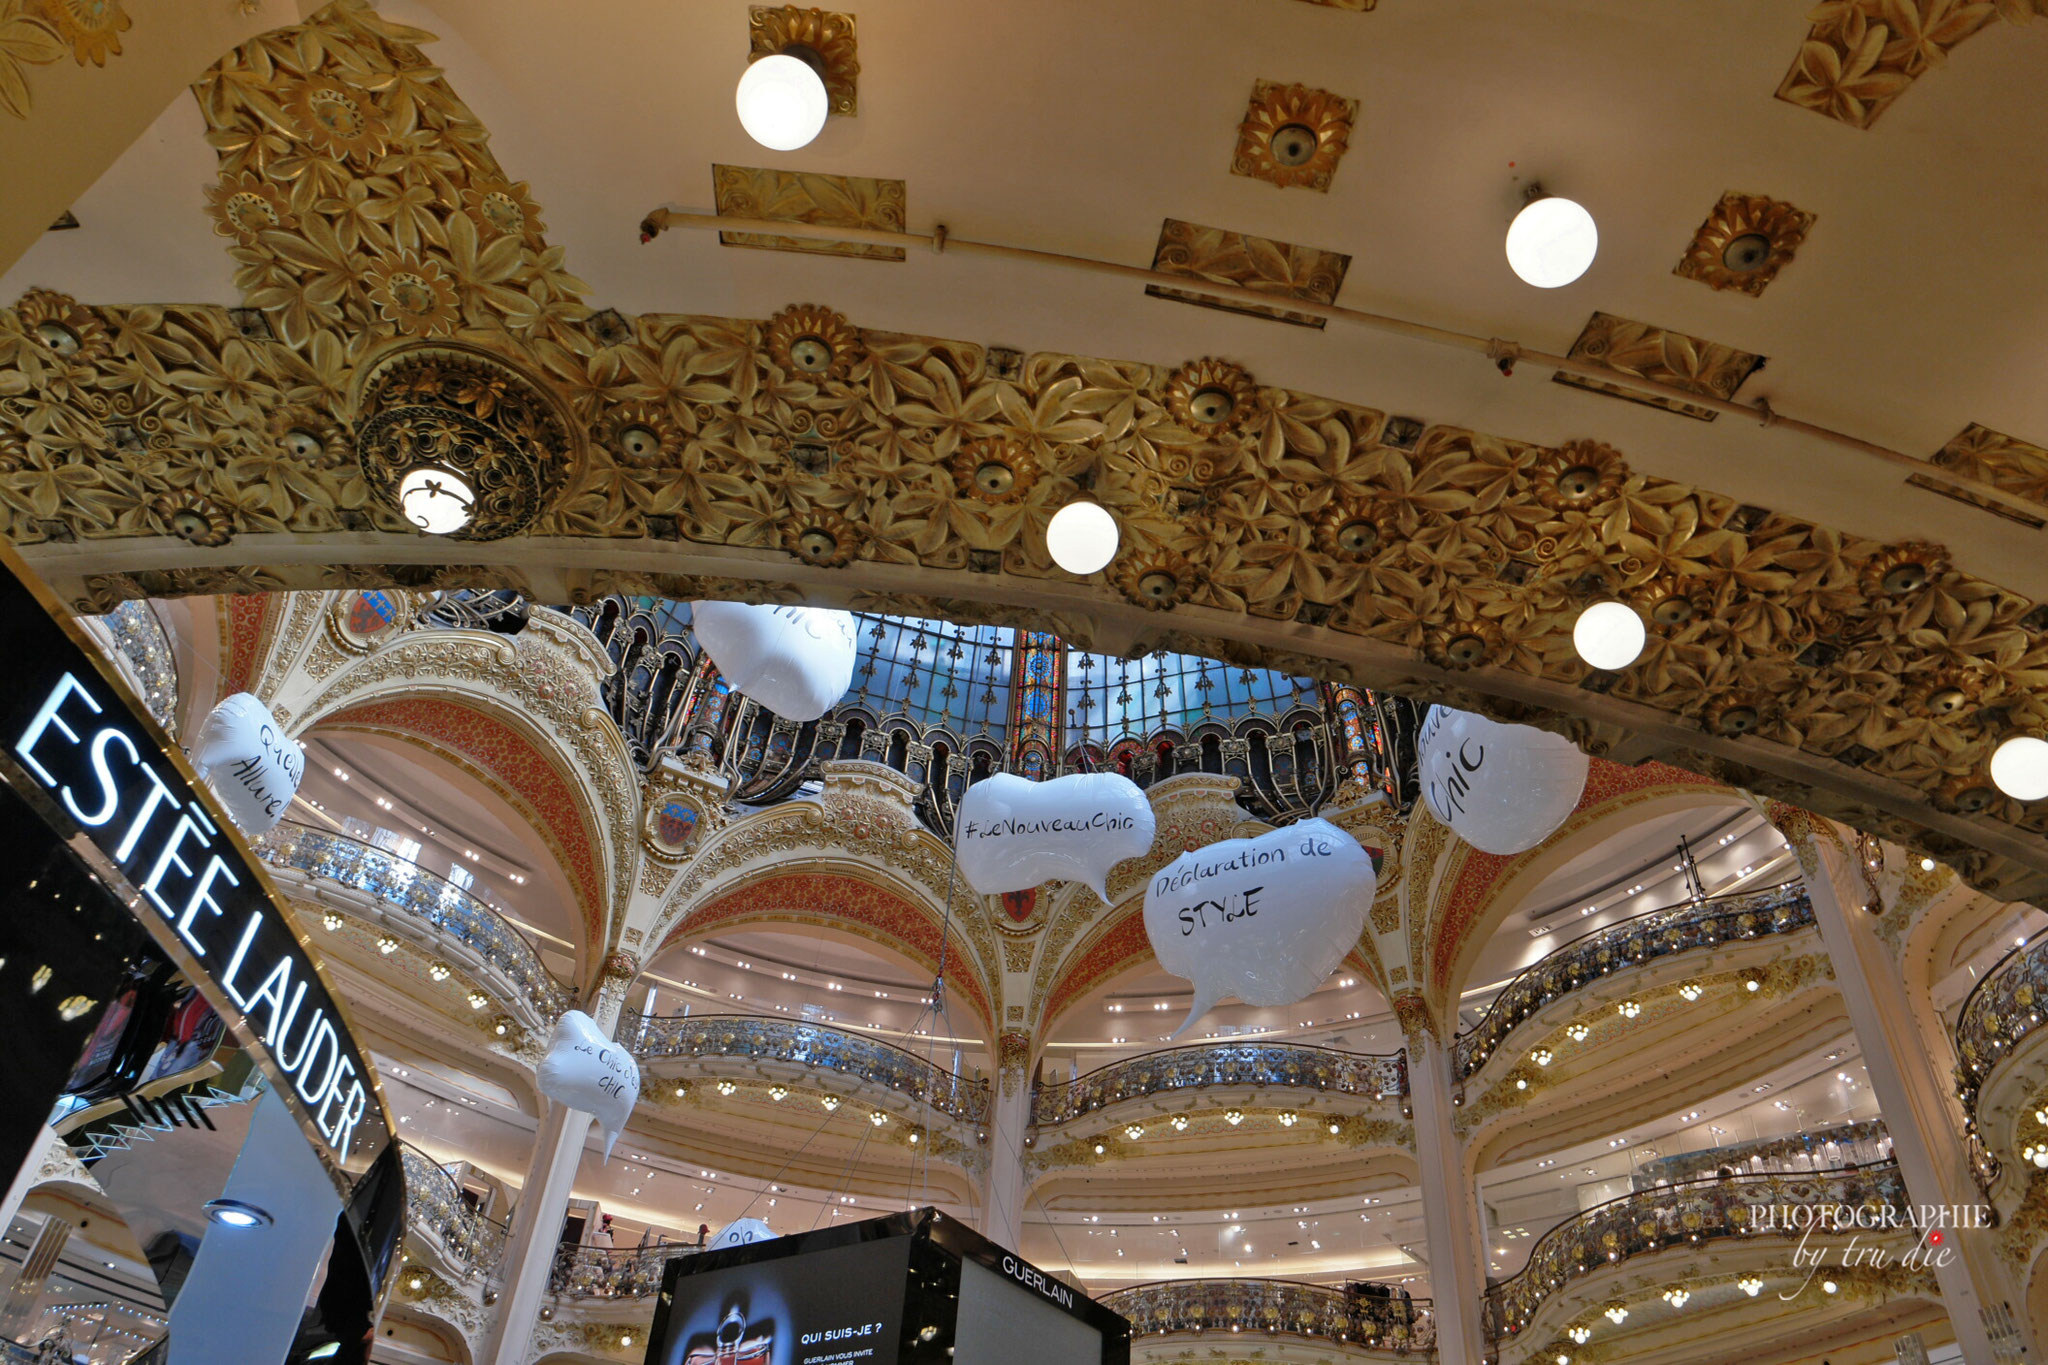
(77, 737)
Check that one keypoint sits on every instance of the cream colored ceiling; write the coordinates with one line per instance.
(1915, 306)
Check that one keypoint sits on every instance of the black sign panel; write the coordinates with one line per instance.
(833, 1306)
(111, 783)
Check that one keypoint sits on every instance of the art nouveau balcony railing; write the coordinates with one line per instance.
(1690, 1214)
(1631, 943)
(1251, 1064)
(444, 912)
(1278, 1307)
(654, 1037)
(435, 1208)
(2003, 1008)
(583, 1272)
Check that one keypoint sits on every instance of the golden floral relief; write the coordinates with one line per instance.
(1293, 135)
(1667, 357)
(1860, 55)
(809, 197)
(92, 27)
(2005, 462)
(25, 40)
(1744, 243)
(1282, 268)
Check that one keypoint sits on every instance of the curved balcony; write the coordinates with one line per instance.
(435, 1209)
(1276, 1307)
(808, 1045)
(584, 1272)
(442, 914)
(1248, 1064)
(1999, 1011)
(1631, 943)
(1689, 1214)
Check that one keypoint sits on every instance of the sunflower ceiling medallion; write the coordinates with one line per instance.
(994, 470)
(1744, 243)
(1212, 398)
(1293, 135)
(814, 33)
(335, 120)
(92, 27)
(444, 423)
(812, 342)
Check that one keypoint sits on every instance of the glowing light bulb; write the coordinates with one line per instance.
(436, 500)
(1609, 635)
(2019, 768)
(1552, 242)
(782, 102)
(1082, 537)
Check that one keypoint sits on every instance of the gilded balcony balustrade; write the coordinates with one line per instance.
(440, 914)
(1385, 1322)
(1234, 1064)
(1663, 933)
(436, 1211)
(655, 1037)
(585, 1272)
(1684, 1215)
(2001, 1010)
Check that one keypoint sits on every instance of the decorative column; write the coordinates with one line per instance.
(1005, 1188)
(1450, 1204)
(544, 1194)
(1926, 1133)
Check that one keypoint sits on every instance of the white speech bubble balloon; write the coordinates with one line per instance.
(740, 1232)
(1012, 833)
(1501, 788)
(796, 661)
(248, 761)
(586, 1070)
(1266, 920)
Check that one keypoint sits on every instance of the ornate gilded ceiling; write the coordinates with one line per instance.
(151, 449)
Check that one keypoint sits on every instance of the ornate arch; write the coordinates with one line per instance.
(1474, 891)
(523, 717)
(855, 899)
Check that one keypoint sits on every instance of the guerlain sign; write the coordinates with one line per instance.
(75, 735)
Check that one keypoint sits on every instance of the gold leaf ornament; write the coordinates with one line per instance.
(25, 40)
(244, 207)
(336, 120)
(92, 27)
(812, 342)
(413, 294)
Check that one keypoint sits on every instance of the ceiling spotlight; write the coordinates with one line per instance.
(1578, 1032)
(681, 1089)
(1098, 1149)
(331, 919)
(878, 1118)
(726, 1087)
(438, 971)
(1541, 1056)
(1629, 1009)
(1691, 990)
(1927, 864)
(2019, 768)
(1752, 983)
(1616, 1314)
(1082, 537)
(1288, 1118)
(1134, 1131)
(778, 1092)
(830, 1102)
(436, 500)
(782, 101)
(1180, 1122)
(1610, 636)
(1579, 1334)
(386, 944)
(233, 1213)
(1750, 1285)
(1552, 241)
(1677, 1297)
(1233, 1117)
(1828, 1286)
(477, 1000)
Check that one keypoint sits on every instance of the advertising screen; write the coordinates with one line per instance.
(835, 1306)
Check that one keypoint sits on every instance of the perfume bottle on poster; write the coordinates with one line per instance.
(731, 1345)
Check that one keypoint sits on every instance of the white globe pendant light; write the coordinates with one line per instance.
(1552, 242)
(1082, 537)
(436, 500)
(782, 102)
(2019, 768)
(1609, 635)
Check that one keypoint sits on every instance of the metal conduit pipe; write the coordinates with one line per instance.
(1505, 354)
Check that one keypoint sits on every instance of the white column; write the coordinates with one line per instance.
(1004, 1190)
(1450, 1206)
(535, 1232)
(1926, 1133)
(544, 1196)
